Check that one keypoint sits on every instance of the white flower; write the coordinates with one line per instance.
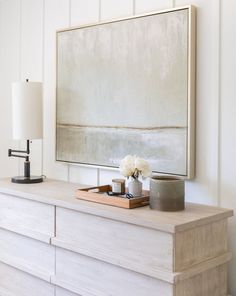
(127, 166)
(134, 166)
(146, 172)
(143, 167)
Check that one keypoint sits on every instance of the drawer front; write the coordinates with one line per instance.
(17, 283)
(212, 282)
(200, 244)
(140, 249)
(87, 276)
(30, 218)
(27, 254)
(63, 292)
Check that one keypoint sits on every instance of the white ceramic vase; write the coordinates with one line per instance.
(135, 187)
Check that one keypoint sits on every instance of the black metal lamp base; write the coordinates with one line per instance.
(27, 180)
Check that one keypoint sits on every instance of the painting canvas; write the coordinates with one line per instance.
(123, 88)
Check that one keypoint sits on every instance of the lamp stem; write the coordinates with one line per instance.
(27, 169)
(28, 147)
(27, 162)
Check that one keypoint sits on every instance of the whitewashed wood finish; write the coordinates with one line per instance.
(111, 251)
(14, 282)
(27, 217)
(62, 292)
(202, 267)
(211, 282)
(26, 254)
(62, 194)
(111, 237)
(88, 276)
(200, 244)
(116, 242)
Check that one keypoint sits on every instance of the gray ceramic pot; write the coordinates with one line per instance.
(167, 193)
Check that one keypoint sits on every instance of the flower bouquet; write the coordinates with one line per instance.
(133, 167)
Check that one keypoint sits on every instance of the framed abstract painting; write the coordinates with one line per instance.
(127, 86)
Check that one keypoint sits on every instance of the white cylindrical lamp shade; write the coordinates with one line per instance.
(27, 110)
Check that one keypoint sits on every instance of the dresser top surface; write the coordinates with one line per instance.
(62, 194)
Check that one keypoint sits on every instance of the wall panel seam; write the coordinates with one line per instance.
(134, 7)
(69, 25)
(69, 18)
(219, 106)
(43, 59)
(100, 10)
(19, 70)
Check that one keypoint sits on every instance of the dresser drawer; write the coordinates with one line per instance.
(211, 282)
(30, 218)
(63, 292)
(126, 244)
(115, 242)
(27, 254)
(87, 276)
(14, 282)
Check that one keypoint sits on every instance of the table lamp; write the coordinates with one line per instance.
(27, 123)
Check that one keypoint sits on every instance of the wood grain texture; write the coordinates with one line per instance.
(212, 282)
(202, 267)
(102, 250)
(199, 244)
(14, 282)
(27, 217)
(88, 276)
(26, 254)
(62, 194)
(137, 248)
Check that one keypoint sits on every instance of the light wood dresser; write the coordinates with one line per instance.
(54, 245)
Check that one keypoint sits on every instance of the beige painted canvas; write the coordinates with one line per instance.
(122, 88)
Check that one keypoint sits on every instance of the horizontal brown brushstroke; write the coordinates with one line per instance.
(119, 127)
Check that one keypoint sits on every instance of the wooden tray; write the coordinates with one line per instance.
(117, 201)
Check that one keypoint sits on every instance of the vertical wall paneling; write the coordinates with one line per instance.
(219, 98)
(82, 175)
(31, 62)
(106, 176)
(20, 161)
(28, 50)
(228, 123)
(31, 39)
(9, 65)
(56, 17)
(84, 12)
(110, 9)
(142, 6)
(43, 29)
(204, 187)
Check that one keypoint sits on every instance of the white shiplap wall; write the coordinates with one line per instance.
(27, 50)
